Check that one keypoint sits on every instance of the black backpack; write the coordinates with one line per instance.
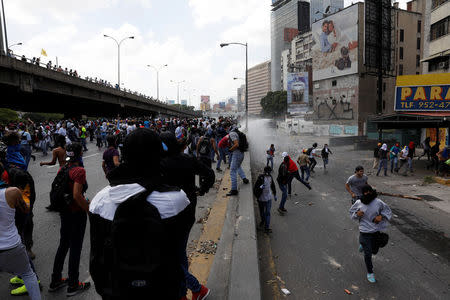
(124, 263)
(243, 144)
(204, 148)
(308, 152)
(60, 195)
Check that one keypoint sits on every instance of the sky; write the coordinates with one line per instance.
(184, 34)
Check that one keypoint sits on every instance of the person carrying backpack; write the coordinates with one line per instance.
(67, 196)
(264, 191)
(239, 146)
(282, 180)
(373, 216)
(13, 255)
(136, 226)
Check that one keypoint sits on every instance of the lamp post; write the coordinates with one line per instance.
(178, 89)
(157, 78)
(246, 77)
(118, 53)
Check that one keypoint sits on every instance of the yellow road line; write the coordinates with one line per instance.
(201, 263)
(274, 283)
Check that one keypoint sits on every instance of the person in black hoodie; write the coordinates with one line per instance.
(137, 223)
(179, 170)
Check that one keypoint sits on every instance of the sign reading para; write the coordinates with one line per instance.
(423, 98)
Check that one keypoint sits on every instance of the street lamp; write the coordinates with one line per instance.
(16, 44)
(178, 88)
(246, 77)
(118, 53)
(157, 78)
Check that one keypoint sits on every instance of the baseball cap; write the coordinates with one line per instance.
(284, 154)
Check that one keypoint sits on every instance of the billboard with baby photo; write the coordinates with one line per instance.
(335, 52)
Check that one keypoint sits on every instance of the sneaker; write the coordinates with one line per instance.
(16, 280)
(202, 294)
(284, 209)
(360, 248)
(233, 193)
(56, 285)
(218, 169)
(371, 277)
(79, 288)
(268, 230)
(22, 290)
(245, 180)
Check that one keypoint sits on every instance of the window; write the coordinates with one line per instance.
(438, 64)
(419, 26)
(402, 35)
(436, 3)
(400, 69)
(401, 53)
(417, 73)
(334, 83)
(418, 43)
(440, 28)
(417, 61)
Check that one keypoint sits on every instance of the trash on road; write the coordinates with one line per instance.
(285, 291)
(348, 292)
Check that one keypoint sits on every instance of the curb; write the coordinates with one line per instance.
(235, 270)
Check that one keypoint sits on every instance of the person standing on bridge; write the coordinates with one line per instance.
(373, 216)
(239, 146)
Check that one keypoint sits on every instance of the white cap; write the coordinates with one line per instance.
(284, 154)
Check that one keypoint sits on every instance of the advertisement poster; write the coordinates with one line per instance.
(429, 92)
(204, 99)
(335, 52)
(297, 92)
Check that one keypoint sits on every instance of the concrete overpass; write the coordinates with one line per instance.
(32, 88)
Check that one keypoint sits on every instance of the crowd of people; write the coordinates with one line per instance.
(151, 166)
(72, 72)
(401, 158)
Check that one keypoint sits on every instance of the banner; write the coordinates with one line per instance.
(204, 99)
(335, 52)
(430, 92)
(297, 92)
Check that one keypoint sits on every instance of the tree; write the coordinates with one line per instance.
(8, 115)
(274, 104)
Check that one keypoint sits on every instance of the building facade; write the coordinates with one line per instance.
(258, 86)
(241, 98)
(288, 18)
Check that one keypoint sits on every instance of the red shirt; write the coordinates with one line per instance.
(78, 175)
(292, 166)
(224, 142)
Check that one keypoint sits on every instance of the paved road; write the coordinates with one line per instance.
(47, 224)
(313, 248)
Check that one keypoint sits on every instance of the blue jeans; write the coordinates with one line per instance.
(190, 281)
(222, 155)
(264, 212)
(305, 169)
(325, 162)
(284, 194)
(394, 163)
(25, 150)
(383, 164)
(236, 162)
(271, 162)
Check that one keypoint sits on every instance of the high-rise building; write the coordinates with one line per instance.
(258, 86)
(323, 8)
(288, 18)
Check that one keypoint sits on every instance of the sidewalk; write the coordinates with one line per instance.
(226, 255)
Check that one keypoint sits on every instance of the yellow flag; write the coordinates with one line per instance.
(43, 52)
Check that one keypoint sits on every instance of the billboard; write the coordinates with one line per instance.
(171, 102)
(204, 99)
(430, 92)
(297, 92)
(183, 102)
(335, 52)
(322, 8)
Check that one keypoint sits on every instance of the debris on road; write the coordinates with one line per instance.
(348, 292)
(285, 291)
(400, 196)
(207, 247)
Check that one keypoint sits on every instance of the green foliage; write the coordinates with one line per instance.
(274, 104)
(8, 115)
(428, 180)
(41, 117)
(183, 107)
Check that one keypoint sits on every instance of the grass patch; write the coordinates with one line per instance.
(428, 180)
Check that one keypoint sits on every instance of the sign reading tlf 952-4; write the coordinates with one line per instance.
(422, 98)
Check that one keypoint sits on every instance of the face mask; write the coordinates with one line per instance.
(366, 199)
